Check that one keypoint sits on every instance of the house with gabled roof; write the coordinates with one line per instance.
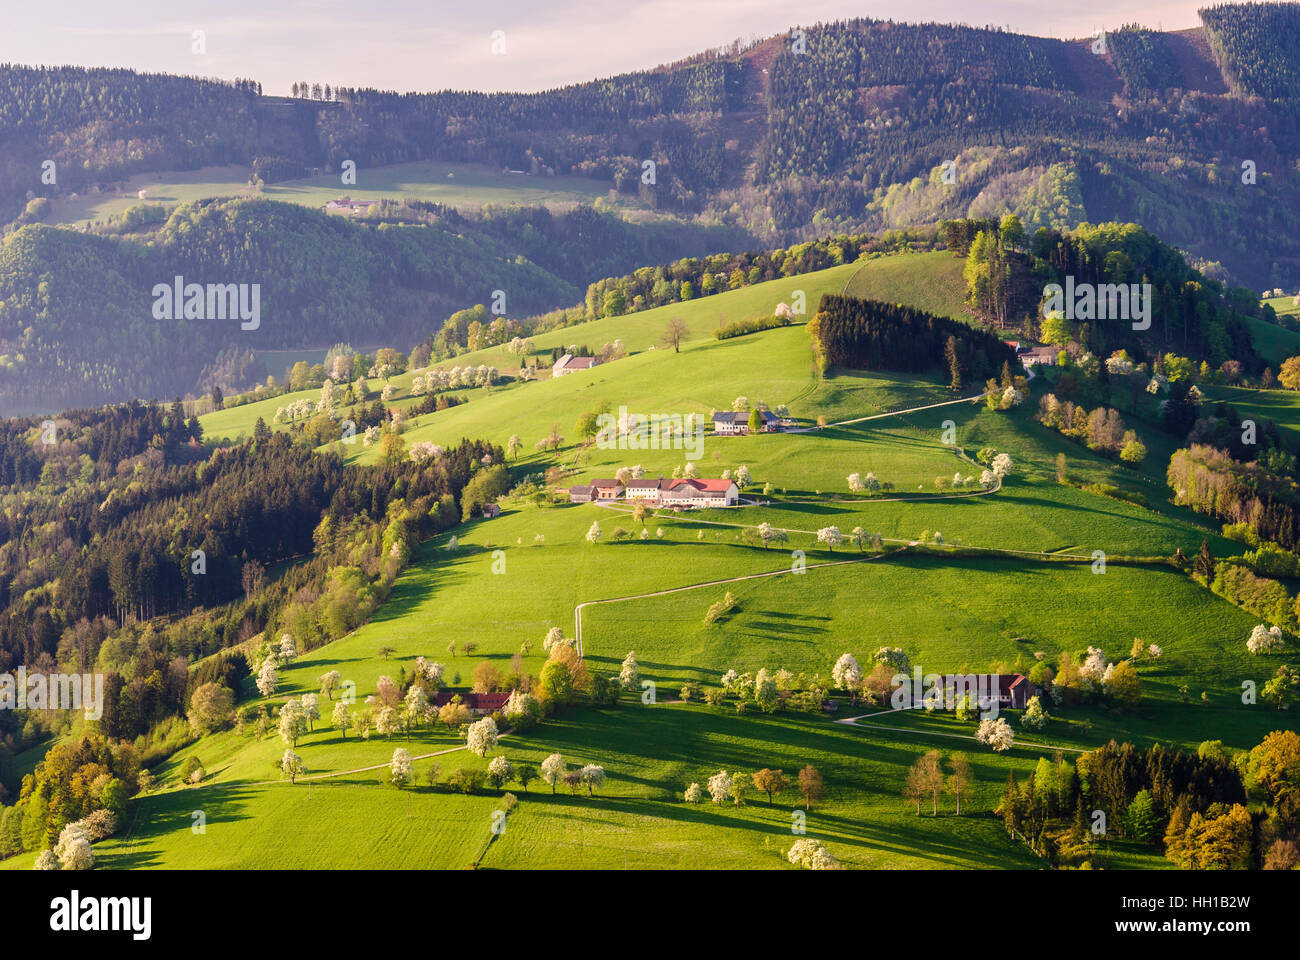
(1008, 689)
(643, 488)
(736, 423)
(606, 489)
(570, 364)
(694, 493)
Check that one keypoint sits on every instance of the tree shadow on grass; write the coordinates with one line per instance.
(164, 814)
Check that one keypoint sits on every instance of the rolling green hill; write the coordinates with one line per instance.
(461, 185)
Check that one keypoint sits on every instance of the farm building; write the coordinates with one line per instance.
(350, 207)
(646, 489)
(1036, 355)
(677, 494)
(477, 703)
(569, 364)
(606, 489)
(733, 423)
(1010, 689)
(692, 494)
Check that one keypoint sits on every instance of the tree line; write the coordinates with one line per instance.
(867, 335)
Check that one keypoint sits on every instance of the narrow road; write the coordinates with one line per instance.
(899, 413)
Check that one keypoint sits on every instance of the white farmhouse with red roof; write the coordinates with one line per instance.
(679, 494)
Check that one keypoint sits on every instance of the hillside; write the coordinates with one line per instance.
(786, 144)
(866, 447)
(80, 320)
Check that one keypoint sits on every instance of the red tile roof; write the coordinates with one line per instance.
(706, 486)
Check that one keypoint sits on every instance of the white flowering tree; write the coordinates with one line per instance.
(482, 736)
(765, 692)
(847, 673)
(830, 536)
(416, 707)
(743, 478)
(553, 769)
(996, 734)
(73, 850)
(593, 532)
(500, 771)
(720, 786)
(268, 678)
(1092, 672)
(46, 860)
(341, 718)
(291, 765)
(293, 722)
(400, 770)
(1001, 465)
(288, 650)
(855, 483)
(329, 682)
(521, 707)
(893, 657)
(629, 675)
(593, 775)
(694, 794)
(811, 854)
(1264, 640)
(310, 709)
(1034, 717)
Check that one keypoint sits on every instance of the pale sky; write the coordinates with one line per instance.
(407, 45)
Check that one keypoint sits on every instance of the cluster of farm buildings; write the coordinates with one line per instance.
(674, 494)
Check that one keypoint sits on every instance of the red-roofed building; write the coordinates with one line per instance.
(476, 703)
(1011, 689)
(693, 493)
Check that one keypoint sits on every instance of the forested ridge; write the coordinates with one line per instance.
(77, 322)
(790, 138)
(137, 546)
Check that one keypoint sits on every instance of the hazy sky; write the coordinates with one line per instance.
(434, 45)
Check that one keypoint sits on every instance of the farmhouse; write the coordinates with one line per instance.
(646, 489)
(477, 703)
(676, 494)
(1036, 355)
(569, 364)
(692, 494)
(350, 207)
(733, 423)
(1008, 689)
(606, 489)
(491, 510)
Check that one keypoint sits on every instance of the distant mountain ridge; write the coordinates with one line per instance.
(792, 137)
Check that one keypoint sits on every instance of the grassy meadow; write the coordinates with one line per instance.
(464, 185)
(509, 580)
(637, 820)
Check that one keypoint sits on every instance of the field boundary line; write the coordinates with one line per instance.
(577, 611)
